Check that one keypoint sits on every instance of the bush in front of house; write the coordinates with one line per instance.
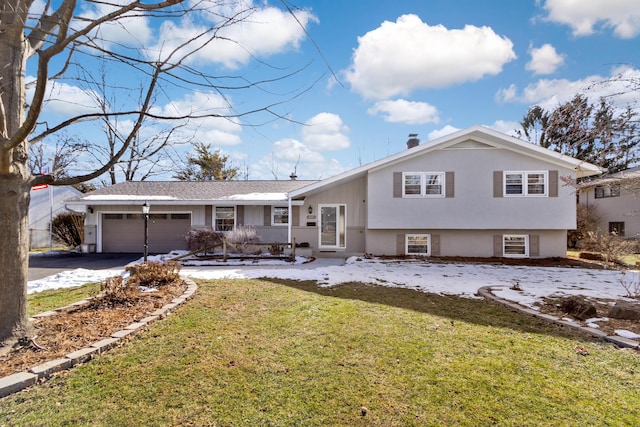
(118, 291)
(154, 274)
(199, 239)
(241, 239)
(67, 229)
(609, 247)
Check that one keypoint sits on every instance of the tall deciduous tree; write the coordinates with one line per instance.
(207, 165)
(53, 41)
(595, 133)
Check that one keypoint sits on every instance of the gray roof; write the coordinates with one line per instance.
(191, 191)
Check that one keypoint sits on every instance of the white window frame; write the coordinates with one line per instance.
(215, 217)
(273, 216)
(525, 183)
(519, 236)
(407, 237)
(423, 184)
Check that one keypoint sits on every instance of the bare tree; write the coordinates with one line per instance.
(52, 44)
(147, 149)
(56, 160)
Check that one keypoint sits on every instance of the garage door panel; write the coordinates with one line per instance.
(125, 232)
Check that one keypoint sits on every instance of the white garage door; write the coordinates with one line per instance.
(125, 232)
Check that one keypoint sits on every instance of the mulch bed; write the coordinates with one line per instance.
(552, 306)
(78, 327)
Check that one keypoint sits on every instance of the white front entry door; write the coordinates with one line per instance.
(333, 227)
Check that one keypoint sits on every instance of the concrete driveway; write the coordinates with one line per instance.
(43, 265)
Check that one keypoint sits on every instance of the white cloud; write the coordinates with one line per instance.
(289, 155)
(549, 93)
(217, 131)
(325, 131)
(583, 16)
(67, 100)
(435, 134)
(322, 132)
(256, 32)
(508, 128)
(400, 57)
(292, 150)
(408, 112)
(128, 31)
(508, 94)
(544, 59)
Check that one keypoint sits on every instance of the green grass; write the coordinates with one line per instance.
(49, 300)
(279, 353)
(631, 260)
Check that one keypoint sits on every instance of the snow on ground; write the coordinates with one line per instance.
(441, 278)
(459, 279)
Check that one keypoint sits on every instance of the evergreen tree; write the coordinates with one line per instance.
(207, 165)
(597, 134)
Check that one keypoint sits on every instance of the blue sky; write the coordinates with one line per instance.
(377, 71)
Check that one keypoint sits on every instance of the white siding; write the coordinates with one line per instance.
(473, 205)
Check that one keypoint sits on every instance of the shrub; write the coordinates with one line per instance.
(630, 281)
(116, 291)
(67, 229)
(154, 274)
(199, 239)
(276, 249)
(242, 237)
(611, 247)
(586, 226)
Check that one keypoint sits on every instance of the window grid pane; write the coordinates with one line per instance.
(515, 245)
(225, 218)
(434, 184)
(412, 184)
(513, 183)
(417, 244)
(280, 215)
(535, 183)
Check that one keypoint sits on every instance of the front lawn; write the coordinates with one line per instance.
(52, 299)
(274, 352)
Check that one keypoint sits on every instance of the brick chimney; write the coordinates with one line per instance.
(413, 141)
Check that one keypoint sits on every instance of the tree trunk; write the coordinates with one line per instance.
(15, 178)
(14, 257)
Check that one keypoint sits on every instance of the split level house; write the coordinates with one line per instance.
(473, 193)
(614, 202)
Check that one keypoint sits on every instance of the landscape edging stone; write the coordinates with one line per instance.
(19, 381)
(487, 293)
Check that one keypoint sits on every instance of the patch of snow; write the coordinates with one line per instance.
(126, 197)
(70, 279)
(597, 319)
(627, 334)
(259, 196)
(459, 279)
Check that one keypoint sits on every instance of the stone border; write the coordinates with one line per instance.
(486, 292)
(37, 374)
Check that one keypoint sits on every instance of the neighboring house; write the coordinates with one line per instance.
(474, 193)
(615, 201)
(115, 223)
(45, 204)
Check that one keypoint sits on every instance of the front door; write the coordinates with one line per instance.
(333, 226)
